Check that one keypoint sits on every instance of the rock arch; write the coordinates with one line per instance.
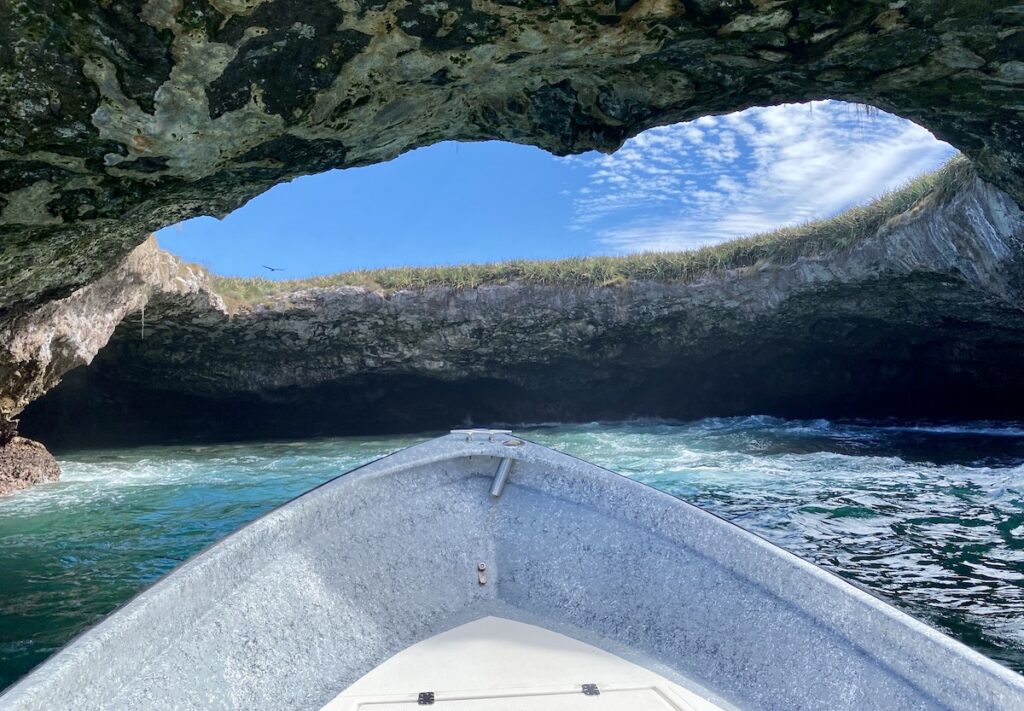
(121, 119)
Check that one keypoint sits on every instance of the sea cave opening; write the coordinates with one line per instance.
(760, 262)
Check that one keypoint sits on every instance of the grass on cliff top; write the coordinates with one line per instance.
(782, 246)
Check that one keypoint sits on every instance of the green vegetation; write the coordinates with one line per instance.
(782, 246)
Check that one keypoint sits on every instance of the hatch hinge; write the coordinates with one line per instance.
(591, 690)
(426, 698)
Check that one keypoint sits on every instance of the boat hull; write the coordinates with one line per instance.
(301, 603)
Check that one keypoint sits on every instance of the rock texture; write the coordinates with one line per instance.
(24, 463)
(118, 117)
(922, 318)
(39, 346)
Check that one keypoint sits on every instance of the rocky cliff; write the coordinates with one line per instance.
(117, 118)
(39, 346)
(920, 317)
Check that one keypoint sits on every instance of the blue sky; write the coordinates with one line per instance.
(674, 187)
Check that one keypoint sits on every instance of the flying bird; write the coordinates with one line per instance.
(274, 269)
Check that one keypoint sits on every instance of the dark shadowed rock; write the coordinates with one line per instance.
(24, 463)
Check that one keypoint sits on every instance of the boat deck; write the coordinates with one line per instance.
(495, 664)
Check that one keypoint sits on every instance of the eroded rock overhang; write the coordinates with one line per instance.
(119, 118)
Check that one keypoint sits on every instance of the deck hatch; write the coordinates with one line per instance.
(614, 698)
(496, 664)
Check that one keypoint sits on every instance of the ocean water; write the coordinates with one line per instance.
(929, 517)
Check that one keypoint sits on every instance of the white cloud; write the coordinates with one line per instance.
(721, 177)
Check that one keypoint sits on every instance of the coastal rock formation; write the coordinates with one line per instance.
(24, 463)
(38, 347)
(921, 317)
(117, 118)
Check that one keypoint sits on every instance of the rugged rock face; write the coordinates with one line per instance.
(118, 118)
(922, 318)
(39, 346)
(24, 463)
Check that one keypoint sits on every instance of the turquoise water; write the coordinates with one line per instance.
(929, 517)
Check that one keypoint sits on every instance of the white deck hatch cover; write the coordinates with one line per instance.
(495, 664)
